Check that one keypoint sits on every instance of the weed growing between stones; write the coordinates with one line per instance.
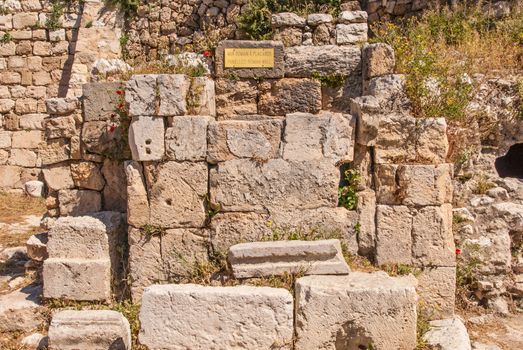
(466, 270)
(422, 327)
(400, 270)
(331, 80)
(518, 112)
(149, 231)
(482, 185)
(347, 195)
(118, 130)
(6, 38)
(53, 21)
(128, 7)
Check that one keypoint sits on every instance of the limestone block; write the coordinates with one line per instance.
(20, 309)
(287, 19)
(24, 20)
(115, 189)
(265, 315)
(34, 188)
(172, 90)
(355, 312)
(366, 209)
(201, 97)
(77, 279)
(100, 100)
(257, 139)
(137, 199)
(436, 289)
(186, 138)
(29, 139)
(289, 36)
(274, 72)
(5, 139)
(351, 33)
(141, 95)
(87, 175)
(22, 157)
(60, 127)
(393, 235)
(283, 96)
(274, 258)
(146, 138)
(54, 151)
(244, 185)
(176, 193)
(432, 144)
(432, 239)
(302, 61)
(346, 17)
(512, 213)
(79, 202)
(9, 176)
(36, 246)
(58, 177)
(61, 106)
(89, 330)
(389, 90)
(236, 97)
(315, 19)
(6, 105)
(378, 59)
(164, 258)
(232, 228)
(99, 137)
(414, 184)
(329, 135)
(448, 334)
(33, 121)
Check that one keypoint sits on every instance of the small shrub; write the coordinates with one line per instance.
(519, 102)
(53, 21)
(422, 327)
(256, 21)
(482, 185)
(150, 231)
(347, 195)
(6, 38)
(128, 7)
(467, 268)
(400, 269)
(331, 80)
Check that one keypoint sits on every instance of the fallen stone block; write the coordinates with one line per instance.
(147, 138)
(357, 311)
(77, 279)
(274, 258)
(436, 289)
(265, 315)
(89, 330)
(448, 334)
(20, 310)
(37, 246)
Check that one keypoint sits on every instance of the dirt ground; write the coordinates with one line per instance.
(505, 332)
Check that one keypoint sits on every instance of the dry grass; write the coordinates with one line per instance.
(14, 206)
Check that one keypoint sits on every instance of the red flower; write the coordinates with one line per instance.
(458, 251)
(120, 106)
(111, 128)
(119, 92)
(206, 54)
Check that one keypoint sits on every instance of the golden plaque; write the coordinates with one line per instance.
(249, 57)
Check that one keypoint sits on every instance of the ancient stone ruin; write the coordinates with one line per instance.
(228, 199)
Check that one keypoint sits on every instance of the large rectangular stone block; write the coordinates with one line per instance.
(366, 209)
(147, 138)
(258, 140)
(276, 71)
(437, 291)
(289, 95)
(166, 257)
(77, 279)
(314, 137)
(265, 315)
(100, 100)
(356, 311)
(171, 94)
(89, 330)
(244, 185)
(141, 95)
(415, 185)
(273, 258)
(137, 200)
(236, 97)
(79, 202)
(186, 138)
(176, 193)
(393, 235)
(354, 33)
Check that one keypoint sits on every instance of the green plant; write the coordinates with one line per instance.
(256, 20)
(128, 7)
(467, 268)
(124, 40)
(422, 327)
(6, 38)
(53, 21)
(400, 269)
(150, 231)
(347, 195)
(519, 95)
(89, 24)
(482, 185)
(331, 80)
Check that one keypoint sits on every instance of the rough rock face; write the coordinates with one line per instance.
(355, 311)
(19, 310)
(448, 334)
(89, 330)
(279, 97)
(264, 313)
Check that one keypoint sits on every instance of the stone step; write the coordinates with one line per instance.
(190, 316)
(89, 330)
(259, 259)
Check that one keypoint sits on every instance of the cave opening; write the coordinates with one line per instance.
(511, 164)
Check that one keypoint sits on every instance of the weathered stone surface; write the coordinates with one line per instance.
(141, 95)
(22, 157)
(448, 334)
(274, 72)
(289, 36)
(77, 279)
(511, 212)
(58, 177)
(36, 341)
(57, 127)
(266, 316)
(393, 235)
(33, 121)
(61, 106)
(201, 97)
(432, 239)
(302, 61)
(233, 228)
(366, 209)
(100, 100)
(351, 33)
(27, 139)
(355, 311)
(287, 19)
(414, 184)
(378, 59)
(79, 202)
(164, 258)
(137, 199)
(259, 140)
(176, 193)
(87, 175)
(436, 289)
(352, 17)
(19, 310)
(389, 90)
(34, 188)
(9, 176)
(316, 19)
(146, 138)
(329, 135)
(54, 151)
(280, 97)
(272, 258)
(236, 97)
(37, 246)
(89, 330)
(172, 90)
(115, 189)
(243, 185)
(186, 139)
